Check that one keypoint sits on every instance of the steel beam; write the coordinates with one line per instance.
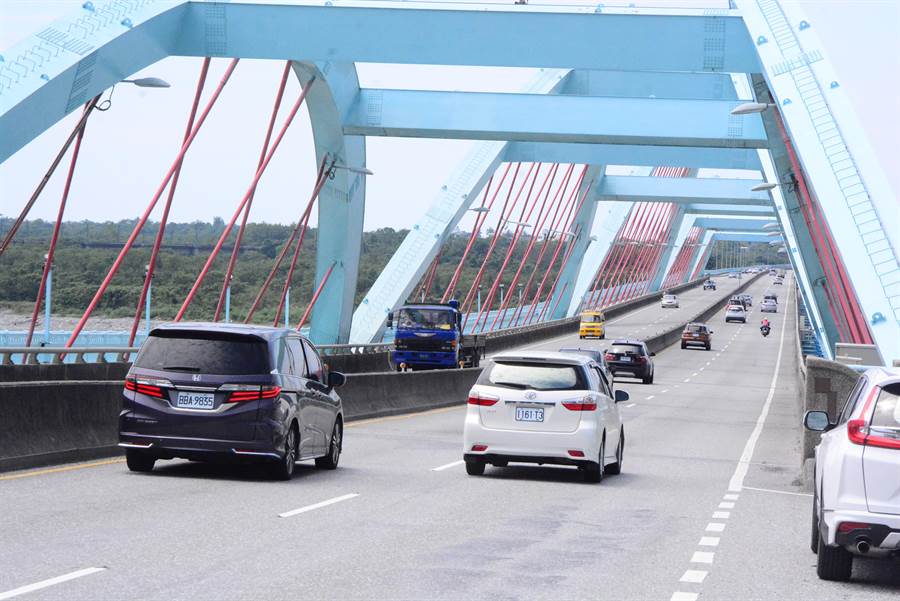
(631, 154)
(553, 118)
(685, 190)
(743, 210)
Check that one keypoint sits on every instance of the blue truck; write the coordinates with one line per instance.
(429, 336)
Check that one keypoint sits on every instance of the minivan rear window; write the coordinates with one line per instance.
(533, 376)
(204, 352)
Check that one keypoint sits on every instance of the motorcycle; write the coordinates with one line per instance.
(765, 330)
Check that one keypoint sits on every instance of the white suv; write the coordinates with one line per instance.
(544, 407)
(856, 505)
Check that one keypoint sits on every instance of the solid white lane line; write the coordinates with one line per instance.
(702, 557)
(731, 497)
(314, 506)
(709, 541)
(447, 466)
(721, 515)
(695, 576)
(30, 588)
(682, 596)
(780, 492)
(740, 472)
(715, 527)
(726, 505)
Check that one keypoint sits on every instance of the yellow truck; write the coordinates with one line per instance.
(592, 325)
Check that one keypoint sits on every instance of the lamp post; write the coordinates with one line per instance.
(287, 307)
(502, 286)
(48, 300)
(479, 298)
(751, 108)
(228, 299)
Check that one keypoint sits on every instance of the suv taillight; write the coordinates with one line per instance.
(249, 392)
(482, 400)
(609, 357)
(585, 404)
(152, 388)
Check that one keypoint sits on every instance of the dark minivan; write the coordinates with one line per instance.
(210, 391)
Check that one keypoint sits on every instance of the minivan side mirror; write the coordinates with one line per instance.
(817, 421)
(336, 379)
(621, 396)
(390, 320)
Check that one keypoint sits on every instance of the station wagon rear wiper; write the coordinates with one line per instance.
(180, 368)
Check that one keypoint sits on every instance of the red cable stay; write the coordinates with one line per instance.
(157, 243)
(244, 200)
(143, 220)
(48, 263)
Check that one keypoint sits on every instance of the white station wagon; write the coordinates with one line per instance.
(856, 502)
(544, 407)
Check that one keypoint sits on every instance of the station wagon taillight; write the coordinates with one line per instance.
(481, 399)
(585, 404)
(152, 388)
(249, 392)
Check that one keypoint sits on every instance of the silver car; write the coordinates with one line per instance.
(669, 301)
(735, 313)
(768, 306)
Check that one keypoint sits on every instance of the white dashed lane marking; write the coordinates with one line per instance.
(702, 557)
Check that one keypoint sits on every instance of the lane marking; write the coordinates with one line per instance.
(694, 576)
(780, 492)
(665, 391)
(702, 557)
(702, 368)
(709, 541)
(740, 472)
(66, 468)
(314, 506)
(731, 497)
(715, 527)
(686, 380)
(30, 588)
(726, 505)
(441, 468)
(721, 515)
(681, 596)
(629, 405)
(651, 397)
(694, 374)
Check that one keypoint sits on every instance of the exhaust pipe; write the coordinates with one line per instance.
(863, 546)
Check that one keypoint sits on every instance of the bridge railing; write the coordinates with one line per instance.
(36, 355)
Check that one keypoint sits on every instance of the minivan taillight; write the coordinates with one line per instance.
(585, 404)
(152, 388)
(481, 399)
(239, 393)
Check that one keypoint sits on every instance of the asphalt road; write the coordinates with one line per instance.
(400, 519)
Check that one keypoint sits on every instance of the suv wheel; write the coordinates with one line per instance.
(834, 563)
(330, 461)
(284, 467)
(648, 379)
(814, 530)
(475, 467)
(138, 461)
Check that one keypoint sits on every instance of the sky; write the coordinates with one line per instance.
(861, 37)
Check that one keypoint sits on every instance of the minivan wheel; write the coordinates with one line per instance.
(284, 467)
(475, 467)
(330, 461)
(138, 461)
(833, 563)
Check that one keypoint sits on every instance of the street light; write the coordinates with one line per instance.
(764, 187)
(147, 298)
(751, 108)
(148, 82)
(47, 299)
(479, 298)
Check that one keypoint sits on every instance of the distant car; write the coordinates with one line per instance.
(748, 300)
(709, 285)
(541, 407)
(597, 355)
(856, 493)
(778, 281)
(739, 299)
(696, 334)
(771, 296)
(772, 272)
(768, 306)
(669, 301)
(735, 313)
(733, 275)
(212, 391)
(631, 357)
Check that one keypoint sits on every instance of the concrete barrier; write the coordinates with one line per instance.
(828, 384)
(68, 372)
